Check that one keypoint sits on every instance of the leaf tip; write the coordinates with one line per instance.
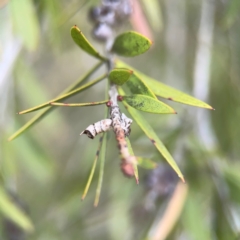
(212, 108)
(182, 178)
(137, 181)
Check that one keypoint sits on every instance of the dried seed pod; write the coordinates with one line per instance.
(103, 14)
(94, 129)
(95, 13)
(123, 11)
(102, 32)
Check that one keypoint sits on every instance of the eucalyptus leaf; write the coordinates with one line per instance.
(130, 44)
(47, 110)
(147, 129)
(11, 211)
(83, 43)
(119, 75)
(164, 91)
(146, 163)
(147, 104)
(137, 86)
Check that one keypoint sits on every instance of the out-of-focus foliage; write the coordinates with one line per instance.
(47, 167)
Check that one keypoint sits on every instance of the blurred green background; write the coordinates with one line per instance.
(43, 172)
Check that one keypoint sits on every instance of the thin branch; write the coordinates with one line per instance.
(121, 127)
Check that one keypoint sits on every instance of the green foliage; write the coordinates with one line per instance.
(147, 104)
(79, 104)
(119, 75)
(144, 90)
(84, 44)
(137, 86)
(130, 44)
(44, 113)
(146, 163)
(147, 129)
(93, 168)
(65, 96)
(160, 89)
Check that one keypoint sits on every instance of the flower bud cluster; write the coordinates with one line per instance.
(108, 15)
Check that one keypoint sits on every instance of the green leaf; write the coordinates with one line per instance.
(147, 104)
(44, 113)
(165, 91)
(146, 163)
(147, 129)
(120, 75)
(79, 104)
(65, 96)
(130, 44)
(93, 168)
(11, 211)
(83, 43)
(101, 171)
(102, 155)
(137, 86)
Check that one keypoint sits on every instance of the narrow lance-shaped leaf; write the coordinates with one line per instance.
(65, 96)
(79, 104)
(137, 86)
(101, 170)
(92, 169)
(47, 110)
(83, 43)
(147, 104)
(164, 91)
(102, 155)
(147, 129)
(130, 44)
(146, 163)
(135, 165)
(12, 212)
(119, 75)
